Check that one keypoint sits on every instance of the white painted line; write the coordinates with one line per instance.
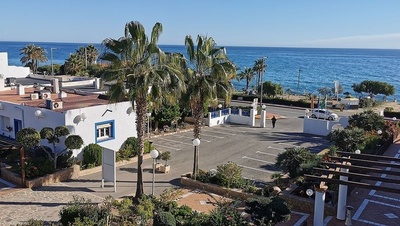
(190, 138)
(174, 141)
(302, 219)
(265, 153)
(360, 209)
(327, 219)
(6, 183)
(280, 149)
(214, 131)
(234, 130)
(261, 170)
(385, 204)
(258, 160)
(288, 144)
(204, 135)
(164, 146)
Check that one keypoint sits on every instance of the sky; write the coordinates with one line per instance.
(268, 23)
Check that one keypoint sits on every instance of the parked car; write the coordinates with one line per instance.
(324, 114)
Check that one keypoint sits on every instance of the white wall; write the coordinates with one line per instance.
(125, 124)
(322, 127)
(12, 71)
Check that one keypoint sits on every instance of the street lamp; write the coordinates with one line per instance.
(219, 106)
(196, 143)
(154, 154)
(358, 151)
(298, 82)
(148, 114)
(51, 56)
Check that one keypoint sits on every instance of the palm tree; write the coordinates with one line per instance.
(247, 74)
(260, 67)
(74, 64)
(88, 54)
(208, 78)
(32, 55)
(139, 66)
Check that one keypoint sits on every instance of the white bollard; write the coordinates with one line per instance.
(342, 197)
(319, 205)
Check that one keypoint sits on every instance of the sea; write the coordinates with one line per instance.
(319, 67)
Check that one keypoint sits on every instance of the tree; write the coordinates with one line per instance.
(74, 64)
(247, 74)
(325, 91)
(139, 66)
(348, 139)
(32, 55)
(267, 211)
(259, 67)
(88, 55)
(207, 79)
(30, 137)
(367, 120)
(292, 160)
(272, 89)
(374, 88)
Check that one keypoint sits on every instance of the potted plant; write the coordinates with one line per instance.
(165, 156)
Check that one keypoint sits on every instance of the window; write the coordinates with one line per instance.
(4, 123)
(105, 131)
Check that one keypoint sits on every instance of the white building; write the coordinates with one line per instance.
(11, 71)
(89, 115)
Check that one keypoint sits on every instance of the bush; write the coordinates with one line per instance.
(130, 147)
(38, 167)
(230, 175)
(92, 155)
(164, 219)
(66, 160)
(84, 210)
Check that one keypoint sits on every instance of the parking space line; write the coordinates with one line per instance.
(234, 130)
(258, 160)
(191, 138)
(289, 144)
(261, 170)
(204, 135)
(174, 141)
(160, 145)
(213, 131)
(265, 153)
(280, 149)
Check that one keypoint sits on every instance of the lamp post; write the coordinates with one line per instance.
(154, 154)
(196, 143)
(51, 56)
(148, 114)
(298, 82)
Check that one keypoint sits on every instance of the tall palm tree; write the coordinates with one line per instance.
(32, 55)
(260, 67)
(88, 54)
(208, 78)
(247, 74)
(139, 66)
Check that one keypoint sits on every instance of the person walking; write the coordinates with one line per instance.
(273, 119)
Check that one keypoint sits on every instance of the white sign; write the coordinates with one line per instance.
(109, 167)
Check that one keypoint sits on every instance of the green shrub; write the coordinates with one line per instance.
(164, 219)
(92, 155)
(84, 210)
(230, 175)
(66, 160)
(32, 222)
(130, 147)
(37, 167)
(389, 109)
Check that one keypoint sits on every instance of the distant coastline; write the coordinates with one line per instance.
(320, 67)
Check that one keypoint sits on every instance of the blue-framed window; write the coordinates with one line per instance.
(104, 131)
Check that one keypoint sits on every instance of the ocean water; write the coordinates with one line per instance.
(320, 67)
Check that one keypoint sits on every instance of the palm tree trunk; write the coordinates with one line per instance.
(197, 117)
(141, 110)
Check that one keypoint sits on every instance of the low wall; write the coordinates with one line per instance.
(322, 127)
(305, 205)
(231, 193)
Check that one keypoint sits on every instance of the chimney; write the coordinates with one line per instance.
(56, 85)
(20, 89)
(1, 82)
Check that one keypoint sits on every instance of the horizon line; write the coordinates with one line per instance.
(249, 46)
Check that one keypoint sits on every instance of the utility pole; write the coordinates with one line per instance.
(298, 82)
(51, 56)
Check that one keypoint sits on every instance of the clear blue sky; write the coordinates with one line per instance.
(281, 23)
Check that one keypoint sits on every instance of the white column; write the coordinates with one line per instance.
(342, 197)
(319, 206)
(252, 121)
(263, 115)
